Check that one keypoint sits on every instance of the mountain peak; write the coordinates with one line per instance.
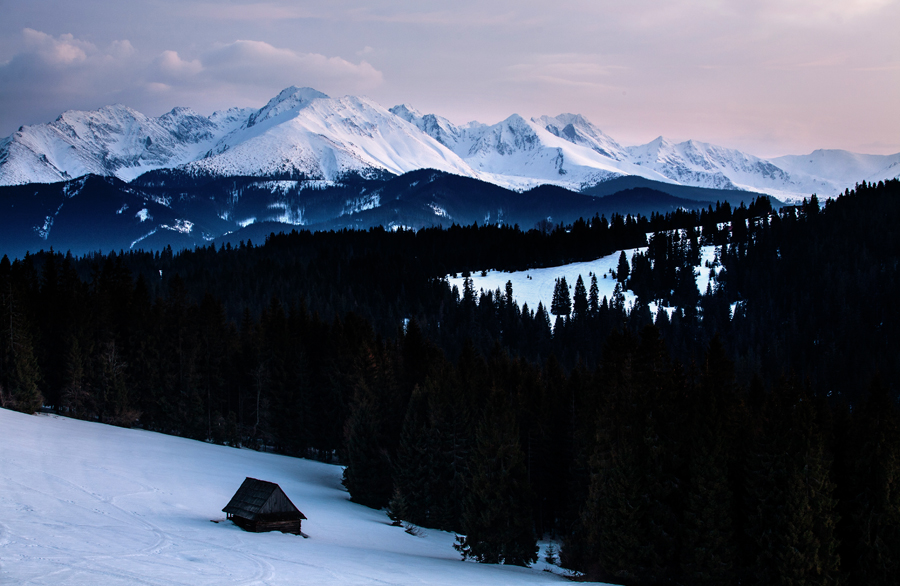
(291, 98)
(306, 94)
(114, 111)
(406, 112)
(577, 129)
(179, 112)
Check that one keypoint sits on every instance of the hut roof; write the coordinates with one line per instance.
(258, 497)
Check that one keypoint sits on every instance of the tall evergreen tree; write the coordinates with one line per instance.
(21, 370)
(872, 529)
(708, 541)
(579, 299)
(497, 515)
(371, 433)
(594, 296)
(622, 269)
(561, 304)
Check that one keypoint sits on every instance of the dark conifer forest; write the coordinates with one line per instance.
(752, 437)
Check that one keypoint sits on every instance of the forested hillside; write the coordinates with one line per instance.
(750, 438)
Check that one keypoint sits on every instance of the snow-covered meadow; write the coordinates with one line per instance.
(536, 285)
(83, 503)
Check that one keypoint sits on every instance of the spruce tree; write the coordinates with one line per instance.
(76, 395)
(368, 473)
(708, 542)
(622, 269)
(414, 471)
(497, 516)
(554, 301)
(367, 445)
(790, 495)
(594, 297)
(613, 514)
(561, 304)
(21, 369)
(872, 529)
(810, 555)
(708, 550)
(580, 300)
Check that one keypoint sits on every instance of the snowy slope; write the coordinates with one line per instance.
(519, 154)
(439, 128)
(304, 131)
(536, 285)
(114, 140)
(705, 165)
(86, 504)
(577, 129)
(842, 168)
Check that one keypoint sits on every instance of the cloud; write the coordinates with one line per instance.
(265, 11)
(821, 12)
(48, 75)
(64, 50)
(169, 64)
(257, 62)
(573, 70)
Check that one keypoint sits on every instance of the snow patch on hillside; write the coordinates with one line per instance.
(536, 285)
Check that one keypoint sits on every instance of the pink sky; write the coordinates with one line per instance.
(767, 77)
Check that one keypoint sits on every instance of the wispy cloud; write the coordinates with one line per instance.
(253, 11)
(253, 62)
(572, 70)
(806, 13)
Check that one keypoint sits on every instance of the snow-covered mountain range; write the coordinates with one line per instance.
(303, 133)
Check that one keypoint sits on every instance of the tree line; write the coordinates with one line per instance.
(715, 445)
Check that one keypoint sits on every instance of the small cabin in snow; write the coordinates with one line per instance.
(259, 505)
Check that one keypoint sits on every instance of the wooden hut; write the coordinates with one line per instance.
(262, 506)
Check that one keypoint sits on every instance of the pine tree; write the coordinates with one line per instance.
(368, 473)
(630, 520)
(112, 388)
(371, 431)
(790, 494)
(76, 395)
(21, 368)
(873, 524)
(708, 540)
(613, 514)
(554, 301)
(810, 555)
(622, 269)
(561, 304)
(414, 470)
(580, 300)
(594, 297)
(497, 512)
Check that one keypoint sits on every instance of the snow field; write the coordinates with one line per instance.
(83, 503)
(536, 285)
